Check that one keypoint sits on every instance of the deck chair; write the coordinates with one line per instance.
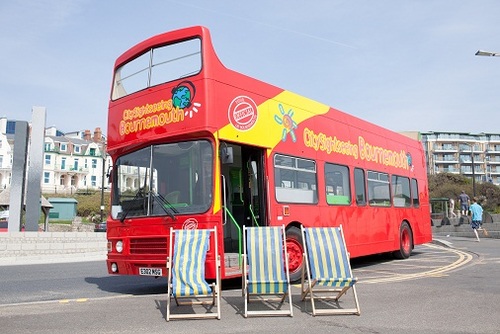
(266, 277)
(329, 275)
(186, 273)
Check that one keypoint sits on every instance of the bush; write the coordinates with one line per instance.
(451, 185)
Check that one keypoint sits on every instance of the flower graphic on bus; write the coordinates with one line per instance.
(182, 98)
(288, 123)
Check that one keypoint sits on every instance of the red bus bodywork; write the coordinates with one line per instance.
(227, 108)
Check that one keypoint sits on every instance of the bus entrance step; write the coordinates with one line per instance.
(231, 260)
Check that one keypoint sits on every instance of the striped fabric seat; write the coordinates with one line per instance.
(186, 272)
(265, 268)
(328, 268)
(328, 257)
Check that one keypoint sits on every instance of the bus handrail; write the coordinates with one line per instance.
(239, 234)
(253, 216)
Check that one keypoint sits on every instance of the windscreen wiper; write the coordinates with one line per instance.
(138, 195)
(166, 206)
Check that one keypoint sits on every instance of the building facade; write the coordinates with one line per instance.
(72, 162)
(473, 155)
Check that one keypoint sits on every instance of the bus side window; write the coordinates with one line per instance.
(360, 186)
(414, 193)
(379, 193)
(337, 184)
(400, 191)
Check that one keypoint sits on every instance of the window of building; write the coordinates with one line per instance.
(63, 163)
(64, 147)
(77, 149)
(94, 163)
(46, 177)
(92, 151)
(93, 180)
(360, 186)
(338, 190)
(295, 180)
(379, 193)
(400, 191)
(47, 159)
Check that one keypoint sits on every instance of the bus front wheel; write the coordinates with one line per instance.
(295, 251)
(405, 242)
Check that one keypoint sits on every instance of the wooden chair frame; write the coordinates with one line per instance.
(335, 256)
(271, 289)
(212, 292)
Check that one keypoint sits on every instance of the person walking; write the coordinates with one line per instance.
(477, 216)
(452, 208)
(464, 203)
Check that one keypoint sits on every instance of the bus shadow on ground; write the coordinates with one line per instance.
(138, 285)
(133, 285)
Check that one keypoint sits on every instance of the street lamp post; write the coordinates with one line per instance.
(473, 173)
(103, 171)
(487, 53)
(102, 186)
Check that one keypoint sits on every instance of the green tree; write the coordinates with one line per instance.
(448, 185)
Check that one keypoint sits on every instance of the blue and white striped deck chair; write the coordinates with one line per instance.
(328, 268)
(265, 271)
(186, 272)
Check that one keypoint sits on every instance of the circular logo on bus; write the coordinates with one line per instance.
(242, 113)
(190, 224)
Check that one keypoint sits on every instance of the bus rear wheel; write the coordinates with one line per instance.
(295, 251)
(405, 242)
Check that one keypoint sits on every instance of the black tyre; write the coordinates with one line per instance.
(405, 242)
(295, 251)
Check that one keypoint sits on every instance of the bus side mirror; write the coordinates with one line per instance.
(227, 155)
(109, 174)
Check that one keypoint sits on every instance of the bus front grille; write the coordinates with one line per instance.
(148, 246)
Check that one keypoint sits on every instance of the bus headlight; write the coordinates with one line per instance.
(119, 246)
(114, 267)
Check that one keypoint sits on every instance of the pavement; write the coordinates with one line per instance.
(60, 258)
(486, 245)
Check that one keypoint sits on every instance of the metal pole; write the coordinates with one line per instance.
(473, 173)
(102, 185)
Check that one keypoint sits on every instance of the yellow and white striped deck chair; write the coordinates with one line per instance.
(266, 276)
(328, 268)
(186, 273)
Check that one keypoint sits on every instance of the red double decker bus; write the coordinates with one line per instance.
(197, 145)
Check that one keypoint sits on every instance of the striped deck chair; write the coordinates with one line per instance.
(266, 277)
(329, 274)
(186, 273)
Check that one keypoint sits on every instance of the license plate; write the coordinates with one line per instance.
(150, 271)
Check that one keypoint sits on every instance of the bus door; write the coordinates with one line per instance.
(243, 191)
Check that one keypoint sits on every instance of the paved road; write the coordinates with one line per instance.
(438, 290)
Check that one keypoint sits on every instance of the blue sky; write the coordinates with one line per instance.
(405, 65)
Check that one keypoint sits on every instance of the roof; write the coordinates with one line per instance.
(5, 199)
(62, 200)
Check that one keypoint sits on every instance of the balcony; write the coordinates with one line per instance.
(445, 148)
(70, 170)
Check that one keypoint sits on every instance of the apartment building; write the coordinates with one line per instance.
(473, 155)
(72, 162)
